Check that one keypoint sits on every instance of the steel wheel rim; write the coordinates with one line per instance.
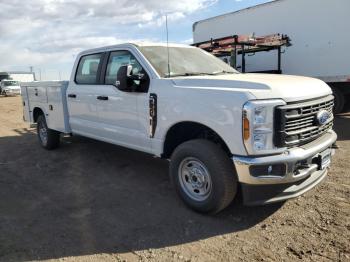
(195, 179)
(43, 133)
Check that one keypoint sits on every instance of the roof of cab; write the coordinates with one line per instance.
(136, 44)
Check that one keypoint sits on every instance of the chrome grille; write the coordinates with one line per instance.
(296, 123)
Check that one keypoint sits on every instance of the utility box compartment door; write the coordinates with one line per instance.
(37, 94)
(25, 103)
(57, 107)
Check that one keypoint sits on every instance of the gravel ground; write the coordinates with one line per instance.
(91, 201)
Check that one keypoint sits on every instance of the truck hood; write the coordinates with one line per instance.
(262, 86)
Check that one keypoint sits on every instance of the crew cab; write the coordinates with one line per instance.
(270, 135)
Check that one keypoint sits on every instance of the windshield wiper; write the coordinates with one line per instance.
(223, 72)
(188, 74)
(200, 73)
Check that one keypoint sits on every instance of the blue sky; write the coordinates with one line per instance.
(48, 34)
(181, 31)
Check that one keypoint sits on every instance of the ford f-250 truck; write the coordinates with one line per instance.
(270, 135)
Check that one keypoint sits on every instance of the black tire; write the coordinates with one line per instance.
(52, 140)
(220, 169)
(339, 101)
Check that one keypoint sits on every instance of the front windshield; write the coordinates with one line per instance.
(184, 61)
(11, 83)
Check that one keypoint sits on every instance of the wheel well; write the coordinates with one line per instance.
(36, 113)
(186, 131)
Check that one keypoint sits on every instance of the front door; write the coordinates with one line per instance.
(123, 115)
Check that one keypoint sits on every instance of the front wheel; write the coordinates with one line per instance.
(48, 138)
(203, 176)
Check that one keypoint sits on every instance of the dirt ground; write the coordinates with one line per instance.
(91, 201)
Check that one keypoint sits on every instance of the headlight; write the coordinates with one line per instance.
(258, 126)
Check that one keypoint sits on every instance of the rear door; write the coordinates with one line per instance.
(81, 96)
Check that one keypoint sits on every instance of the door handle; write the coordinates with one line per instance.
(72, 95)
(102, 97)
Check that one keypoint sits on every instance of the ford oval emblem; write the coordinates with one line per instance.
(323, 117)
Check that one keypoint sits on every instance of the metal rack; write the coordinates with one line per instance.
(232, 46)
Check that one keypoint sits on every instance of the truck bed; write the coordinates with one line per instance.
(50, 97)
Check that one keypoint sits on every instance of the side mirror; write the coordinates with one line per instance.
(123, 81)
(129, 82)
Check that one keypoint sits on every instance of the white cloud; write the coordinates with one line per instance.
(49, 33)
(187, 41)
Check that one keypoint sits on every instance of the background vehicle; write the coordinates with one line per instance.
(269, 134)
(317, 32)
(9, 87)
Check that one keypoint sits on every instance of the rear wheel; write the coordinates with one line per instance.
(203, 176)
(48, 138)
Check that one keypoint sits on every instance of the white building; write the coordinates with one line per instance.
(20, 76)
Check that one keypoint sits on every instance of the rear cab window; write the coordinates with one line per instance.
(88, 69)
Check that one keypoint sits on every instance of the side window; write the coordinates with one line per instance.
(87, 69)
(116, 60)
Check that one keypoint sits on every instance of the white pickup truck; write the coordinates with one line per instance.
(9, 87)
(270, 135)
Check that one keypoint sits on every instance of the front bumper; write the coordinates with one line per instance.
(298, 167)
(12, 92)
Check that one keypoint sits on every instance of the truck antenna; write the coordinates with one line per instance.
(167, 43)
